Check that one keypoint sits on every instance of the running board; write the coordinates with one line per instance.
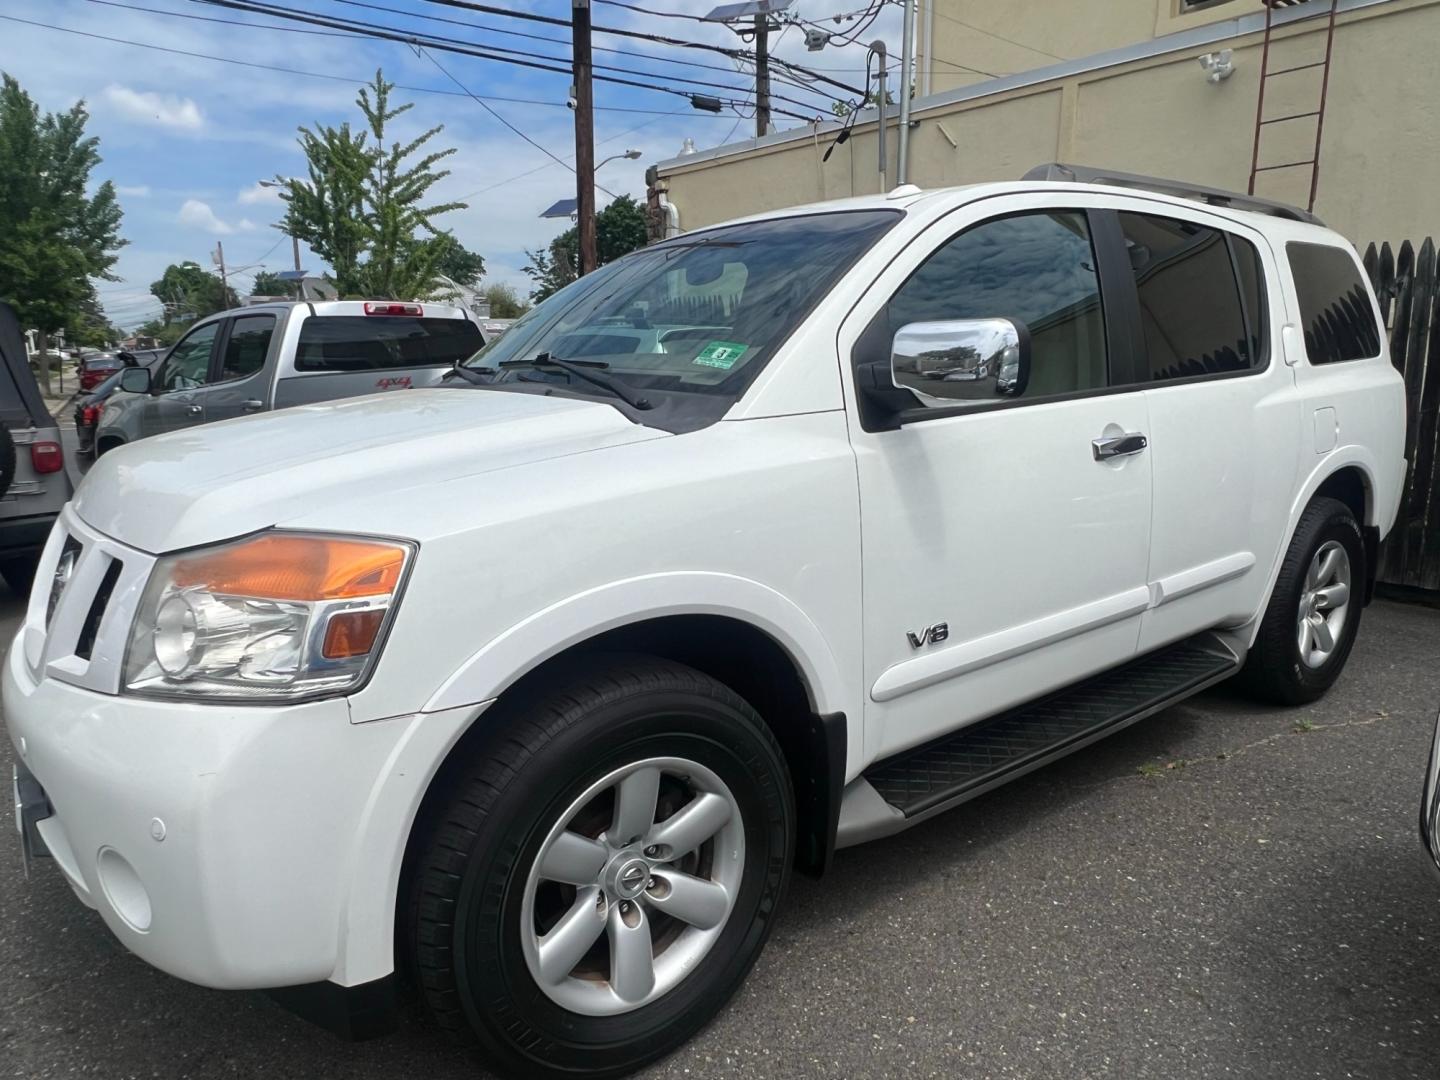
(913, 785)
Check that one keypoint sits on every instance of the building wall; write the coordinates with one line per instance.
(1157, 115)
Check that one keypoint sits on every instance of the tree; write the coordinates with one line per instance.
(619, 230)
(363, 209)
(269, 283)
(54, 237)
(505, 302)
(186, 289)
(461, 265)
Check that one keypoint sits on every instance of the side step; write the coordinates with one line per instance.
(977, 758)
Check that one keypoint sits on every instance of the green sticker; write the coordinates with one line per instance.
(721, 354)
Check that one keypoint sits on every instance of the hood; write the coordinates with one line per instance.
(224, 480)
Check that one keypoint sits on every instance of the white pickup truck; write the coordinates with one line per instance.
(525, 694)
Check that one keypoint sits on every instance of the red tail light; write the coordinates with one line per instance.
(90, 414)
(46, 457)
(393, 309)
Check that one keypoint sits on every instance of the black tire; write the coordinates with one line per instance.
(1274, 671)
(7, 459)
(540, 751)
(18, 572)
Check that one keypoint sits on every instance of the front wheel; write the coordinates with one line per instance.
(603, 871)
(1314, 612)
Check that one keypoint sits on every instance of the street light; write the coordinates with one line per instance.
(294, 241)
(630, 155)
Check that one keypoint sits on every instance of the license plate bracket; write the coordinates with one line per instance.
(32, 806)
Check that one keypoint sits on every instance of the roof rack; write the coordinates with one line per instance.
(1084, 174)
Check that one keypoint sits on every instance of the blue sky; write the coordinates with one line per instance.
(186, 138)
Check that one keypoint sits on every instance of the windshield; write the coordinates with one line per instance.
(700, 313)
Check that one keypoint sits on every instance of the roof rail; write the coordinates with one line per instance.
(1084, 174)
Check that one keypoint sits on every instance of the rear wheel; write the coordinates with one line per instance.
(603, 871)
(1310, 624)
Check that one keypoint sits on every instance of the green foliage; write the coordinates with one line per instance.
(619, 230)
(269, 283)
(505, 302)
(54, 236)
(363, 209)
(461, 265)
(188, 289)
(163, 332)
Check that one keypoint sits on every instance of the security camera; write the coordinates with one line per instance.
(1218, 65)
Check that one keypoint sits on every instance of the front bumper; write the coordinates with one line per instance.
(1430, 803)
(231, 847)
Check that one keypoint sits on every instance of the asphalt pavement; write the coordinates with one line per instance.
(1223, 890)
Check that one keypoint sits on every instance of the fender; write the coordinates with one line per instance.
(1380, 511)
(526, 645)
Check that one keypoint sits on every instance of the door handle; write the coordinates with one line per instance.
(1113, 446)
(252, 405)
(194, 410)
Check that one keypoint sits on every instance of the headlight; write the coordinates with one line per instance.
(278, 616)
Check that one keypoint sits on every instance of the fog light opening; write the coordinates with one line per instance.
(122, 888)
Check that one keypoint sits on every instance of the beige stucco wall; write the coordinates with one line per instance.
(1158, 115)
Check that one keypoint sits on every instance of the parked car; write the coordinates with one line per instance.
(89, 406)
(1430, 803)
(529, 690)
(269, 356)
(33, 482)
(93, 368)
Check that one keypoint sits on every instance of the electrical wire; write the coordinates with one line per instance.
(495, 53)
(544, 150)
(991, 33)
(329, 77)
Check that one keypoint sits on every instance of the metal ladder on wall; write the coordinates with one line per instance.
(1263, 123)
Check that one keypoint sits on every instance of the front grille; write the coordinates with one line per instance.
(96, 583)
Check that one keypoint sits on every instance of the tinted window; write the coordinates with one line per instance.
(1036, 269)
(188, 365)
(247, 345)
(1190, 298)
(376, 342)
(1334, 304)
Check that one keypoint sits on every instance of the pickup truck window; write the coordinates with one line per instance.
(1334, 304)
(1193, 308)
(1038, 268)
(701, 313)
(379, 342)
(246, 346)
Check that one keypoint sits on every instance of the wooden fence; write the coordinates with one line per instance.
(1408, 287)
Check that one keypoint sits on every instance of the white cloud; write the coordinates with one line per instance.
(257, 193)
(138, 191)
(165, 110)
(198, 215)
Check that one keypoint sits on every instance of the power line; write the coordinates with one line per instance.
(478, 52)
(323, 75)
(991, 33)
(544, 150)
(740, 54)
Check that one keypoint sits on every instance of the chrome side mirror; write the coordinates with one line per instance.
(961, 361)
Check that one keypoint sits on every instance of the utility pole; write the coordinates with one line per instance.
(907, 73)
(224, 287)
(584, 135)
(762, 75)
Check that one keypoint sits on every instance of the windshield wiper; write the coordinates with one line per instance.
(473, 377)
(586, 370)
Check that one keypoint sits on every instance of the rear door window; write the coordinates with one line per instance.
(247, 346)
(381, 342)
(1201, 298)
(1335, 306)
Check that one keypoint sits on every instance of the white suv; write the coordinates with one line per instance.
(524, 694)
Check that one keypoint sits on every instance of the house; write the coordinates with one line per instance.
(1162, 87)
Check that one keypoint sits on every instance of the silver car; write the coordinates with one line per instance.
(269, 356)
(33, 482)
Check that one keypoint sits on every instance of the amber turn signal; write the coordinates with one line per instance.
(351, 633)
(277, 566)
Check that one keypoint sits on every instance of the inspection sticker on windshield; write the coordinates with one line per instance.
(721, 354)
